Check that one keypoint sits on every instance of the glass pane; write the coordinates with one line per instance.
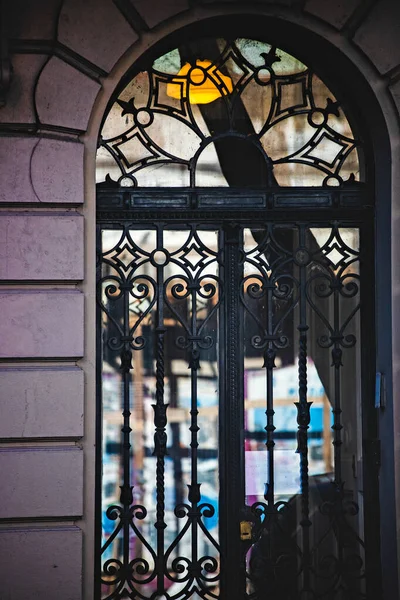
(227, 114)
(159, 297)
(302, 445)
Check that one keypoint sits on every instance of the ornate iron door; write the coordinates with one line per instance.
(236, 372)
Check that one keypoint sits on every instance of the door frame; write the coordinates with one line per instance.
(351, 205)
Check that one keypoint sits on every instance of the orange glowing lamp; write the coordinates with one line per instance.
(206, 83)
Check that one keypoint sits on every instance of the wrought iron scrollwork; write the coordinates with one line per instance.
(134, 292)
(309, 546)
(291, 96)
(295, 289)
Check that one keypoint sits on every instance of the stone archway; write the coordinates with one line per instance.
(65, 61)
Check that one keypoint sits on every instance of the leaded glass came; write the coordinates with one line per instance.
(218, 113)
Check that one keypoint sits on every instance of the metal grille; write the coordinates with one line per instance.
(177, 308)
(226, 305)
(270, 121)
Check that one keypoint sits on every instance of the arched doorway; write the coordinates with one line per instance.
(235, 287)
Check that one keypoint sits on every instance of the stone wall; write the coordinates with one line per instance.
(67, 57)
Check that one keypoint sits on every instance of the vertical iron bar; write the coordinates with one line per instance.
(337, 426)
(303, 406)
(175, 445)
(99, 423)
(194, 487)
(126, 497)
(160, 422)
(370, 423)
(233, 574)
(337, 410)
(269, 364)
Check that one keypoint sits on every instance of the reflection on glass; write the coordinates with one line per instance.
(285, 386)
(237, 114)
(302, 445)
(160, 299)
(161, 292)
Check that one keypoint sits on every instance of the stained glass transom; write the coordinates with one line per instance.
(227, 113)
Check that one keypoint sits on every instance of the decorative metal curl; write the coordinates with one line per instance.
(260, 74)
(113, 568)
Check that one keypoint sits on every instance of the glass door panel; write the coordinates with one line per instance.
(160, 295)
(231, 412)
(302, 444)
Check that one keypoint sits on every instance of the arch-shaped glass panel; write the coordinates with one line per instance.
(223, 113)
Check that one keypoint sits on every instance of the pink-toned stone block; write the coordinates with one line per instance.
(45, 402)
(19, 106)
(15, 155)
(154, 11)
(57, 171)
(40, 170)
(379, 35)
(41, 324)
(32, 19)
(335, 13)
(41, 563)
(41, 247)
(65, 96)
(96, 30)
(41, 482)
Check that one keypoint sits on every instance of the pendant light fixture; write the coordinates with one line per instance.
(206, 83)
